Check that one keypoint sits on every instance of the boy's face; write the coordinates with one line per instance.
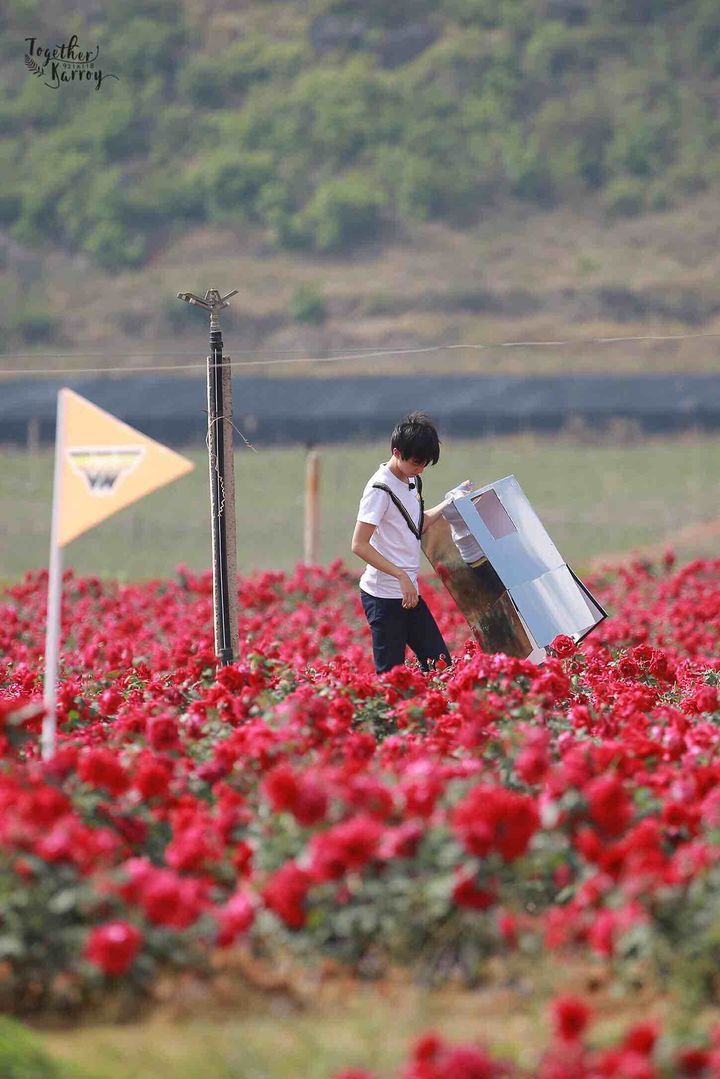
(409, 467)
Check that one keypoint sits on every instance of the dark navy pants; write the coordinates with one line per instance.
(394, 626)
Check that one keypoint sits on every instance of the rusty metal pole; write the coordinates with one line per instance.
(222, 480)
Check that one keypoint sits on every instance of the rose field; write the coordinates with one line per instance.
(293, 811)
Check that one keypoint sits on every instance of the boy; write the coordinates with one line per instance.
(387, 535)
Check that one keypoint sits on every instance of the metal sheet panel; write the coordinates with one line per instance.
(554, 604)
(520, 552)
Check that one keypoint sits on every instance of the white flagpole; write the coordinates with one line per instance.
(52, 631)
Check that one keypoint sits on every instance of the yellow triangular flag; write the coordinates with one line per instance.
(104, 465)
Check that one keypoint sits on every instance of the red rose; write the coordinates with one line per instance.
(466, 892)
(427, 1047)
(162, 732)
(345, 848)
(191, 848)
(152, 778)
(608, 803)
(47, 805)
(470, 1062)
(692, 1061)
(300, 795)
(433, 1058)
(101, 768)
(508, 928)
(493, 818)
(168, 899)
(705, 700)
(281, 787)
(285, 894)
(113, 946)
(242, 858)
(109, 702)
(603, 931)
(570, 1016)
(641, 1038)
(354, 1073)
(563, 646)
(401, 841)
(531, 764)
(235, 917)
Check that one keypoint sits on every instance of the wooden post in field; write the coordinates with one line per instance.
(33, 435)
(312, 506)
(222, 480)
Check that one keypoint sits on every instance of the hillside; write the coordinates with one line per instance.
(425, 173)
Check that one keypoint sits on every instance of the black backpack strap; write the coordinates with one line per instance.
(415, 529)
(418, 484)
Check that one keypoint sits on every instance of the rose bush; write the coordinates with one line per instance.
(296, 800)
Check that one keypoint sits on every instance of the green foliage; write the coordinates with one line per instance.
(644, 142)
(554, 50)
(342, 212)
(659, 198)
(211, 82)
(470, 64)
(538, 101)
(177, 131)
(34, 326)
(420, 191)
(110, 128)
(641, 11)
(574, 135)
(114, 248)
(159, 11)
(379, 12)
(275, 207)
(418, 188)
(472, 13)
(10, 205)
(23, 9)
(624, 197)
(39, 107)
(232, 183)
(259, 59)
(21, 1057)
(39, 220)
(307, 305)
(341, 112)
(142, 47)
(527, 166)
(203, 82)
(703, 33)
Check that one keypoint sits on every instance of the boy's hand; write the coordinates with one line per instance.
(409, 591)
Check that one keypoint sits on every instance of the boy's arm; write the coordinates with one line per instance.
(362, 547)
(434, 515)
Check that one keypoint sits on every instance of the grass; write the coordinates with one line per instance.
(345, 1023)
(593, 499)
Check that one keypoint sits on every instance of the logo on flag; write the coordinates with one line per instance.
(104, 467)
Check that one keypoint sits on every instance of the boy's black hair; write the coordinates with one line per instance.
(415, 437)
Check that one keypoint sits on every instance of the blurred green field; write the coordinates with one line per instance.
(346, 1026)
(594, 499)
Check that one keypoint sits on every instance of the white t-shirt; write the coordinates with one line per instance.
(392, 538)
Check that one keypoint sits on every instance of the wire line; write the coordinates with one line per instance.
(340, 357)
